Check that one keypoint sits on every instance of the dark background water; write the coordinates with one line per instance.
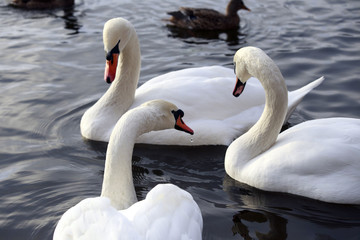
(51, 70)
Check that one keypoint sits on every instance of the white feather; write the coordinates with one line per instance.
(167, 212)
(216, 116)
(318, 159)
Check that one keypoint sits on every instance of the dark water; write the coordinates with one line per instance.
(51, 70)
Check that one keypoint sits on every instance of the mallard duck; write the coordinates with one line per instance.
(208, 19)
(41, 4)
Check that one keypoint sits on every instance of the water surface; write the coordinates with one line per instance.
(51, 70)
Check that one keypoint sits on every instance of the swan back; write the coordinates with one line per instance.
(168, 212)
(93, 219)
(317, 159)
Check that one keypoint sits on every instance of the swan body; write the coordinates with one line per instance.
(208, 19)
(217, 117)
(167, 212)
(318, 159)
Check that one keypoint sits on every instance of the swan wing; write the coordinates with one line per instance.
(317, 159)
(296, 96)
(167, 212)
(205, 96)
(94, 219)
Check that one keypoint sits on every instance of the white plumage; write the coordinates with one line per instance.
(167, 212)
(318, 159)
(215, 115)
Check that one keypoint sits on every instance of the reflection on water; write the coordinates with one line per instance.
(70, 20)
(232, 37)
(52, 65)
(68, 14)
(40, 4)
(271, 215)
(276, 225)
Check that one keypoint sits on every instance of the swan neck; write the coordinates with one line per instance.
(122, 90)
(266, 130)
(118, 183)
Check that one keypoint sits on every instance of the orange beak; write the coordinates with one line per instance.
(180, 125)
(110, 68)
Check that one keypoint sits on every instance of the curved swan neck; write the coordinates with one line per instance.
(120, 93)
(118, 183)
(122, 90)
(264, 133)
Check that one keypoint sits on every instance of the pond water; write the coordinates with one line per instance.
(51, 71)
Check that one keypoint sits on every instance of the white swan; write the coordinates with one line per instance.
(167, 212)
(210, 110)
(318, 159)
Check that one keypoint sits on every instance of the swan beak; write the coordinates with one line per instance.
(179, 123)
(239, 87)
(110, 68)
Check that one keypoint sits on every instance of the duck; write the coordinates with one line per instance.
(203, 90)
(208, 19)
(41, 4)
(317, 159)
(167, 212)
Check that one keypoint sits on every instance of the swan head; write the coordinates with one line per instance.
(249, 61)
(167, 116)
(116, 34)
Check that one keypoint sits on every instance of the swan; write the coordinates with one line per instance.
(318, 159)
(208, 19)
(167, 212)
(210, 110)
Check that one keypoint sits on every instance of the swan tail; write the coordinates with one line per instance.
(296, 96)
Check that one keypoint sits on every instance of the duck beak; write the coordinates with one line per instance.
(245, 8)
(239, 87)
(110, 68)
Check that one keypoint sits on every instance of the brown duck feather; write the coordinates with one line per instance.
(208, 19)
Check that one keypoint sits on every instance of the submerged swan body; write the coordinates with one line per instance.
(318, 159)
(167, 212)
(217, 117)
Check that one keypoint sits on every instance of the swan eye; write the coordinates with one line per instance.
(109, 56)
(235, 68)
(115, 50)
(177, 113)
